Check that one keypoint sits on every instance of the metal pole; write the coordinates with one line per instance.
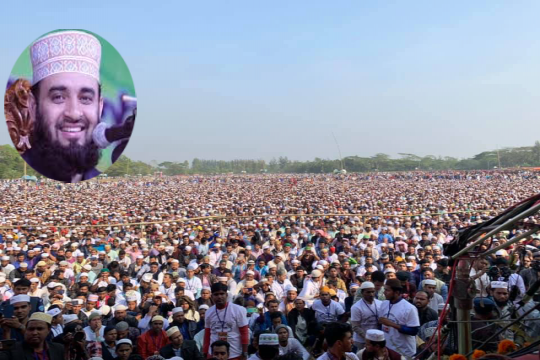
(463, 301)
(511, 242)
(500, 228)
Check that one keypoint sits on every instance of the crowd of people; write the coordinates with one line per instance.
(259, 267)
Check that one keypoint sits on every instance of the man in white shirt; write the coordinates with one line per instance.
(311, 287)
(365, 314)
(193, 283)
(226, 321)
(399, 320)
(326, 310)
(435, 300)
(94, 330)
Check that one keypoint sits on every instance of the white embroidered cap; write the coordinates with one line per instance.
(66, 52)
(374, 335)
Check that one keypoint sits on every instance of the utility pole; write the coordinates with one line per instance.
(498, 157)
(339, 151)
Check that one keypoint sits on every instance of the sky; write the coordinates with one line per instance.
(257, 80)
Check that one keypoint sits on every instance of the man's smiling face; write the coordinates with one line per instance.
(70, 107)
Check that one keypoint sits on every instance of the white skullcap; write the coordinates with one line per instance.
(147, 277)
(177, 310)
(123, 341)
(499, 285)
(54, 312)
(172, 331)
(430, 282)
(268, 339)
(204, 306)
(367, 285)
(19, 298)
(66, 52)
(69, 318)
(374, 335)
(316, 273)
(389, 270)
(192, 266)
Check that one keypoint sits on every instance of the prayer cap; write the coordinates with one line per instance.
(65, 52)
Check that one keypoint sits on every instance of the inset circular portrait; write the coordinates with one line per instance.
(70, 105)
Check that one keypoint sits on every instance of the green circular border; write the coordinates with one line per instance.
(115, 79)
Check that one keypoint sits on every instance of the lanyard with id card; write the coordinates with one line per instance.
(222, 335)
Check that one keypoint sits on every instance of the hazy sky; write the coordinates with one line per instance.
(262, 79)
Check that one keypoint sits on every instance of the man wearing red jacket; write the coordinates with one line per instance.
(154, 339)
(228, 322)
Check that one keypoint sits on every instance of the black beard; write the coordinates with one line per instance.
(57, 162)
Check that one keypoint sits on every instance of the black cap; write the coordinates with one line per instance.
(403, 275)
(443, 262)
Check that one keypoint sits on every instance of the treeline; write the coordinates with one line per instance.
(12, 165)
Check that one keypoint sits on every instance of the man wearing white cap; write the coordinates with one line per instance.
(376, 347)
(365, 313)
(38, 328)
(193, 283)
(120, 314)
(67, 105)
(311, 287)
(14, 327)
(429, 286)
(57, 323)
(186, 349)
(6, 267)
(500, 294)
(150, 342)
(188, 328)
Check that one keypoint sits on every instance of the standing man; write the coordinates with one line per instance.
(425, 313)
(228, 322)
(339, 339)
(435, 300)
(399, 320)
(365, 314)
